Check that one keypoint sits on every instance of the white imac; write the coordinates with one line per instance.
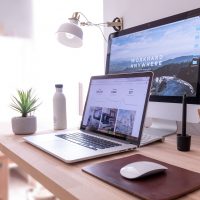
(170, 47)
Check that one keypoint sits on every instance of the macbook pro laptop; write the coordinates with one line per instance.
(112, 120)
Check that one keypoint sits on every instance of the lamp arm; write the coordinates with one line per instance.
(87, 21)
(113, 24)
(117, 23)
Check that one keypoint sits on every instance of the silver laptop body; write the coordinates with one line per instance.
(112, 120)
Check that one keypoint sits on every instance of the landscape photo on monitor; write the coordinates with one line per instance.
(171, 51)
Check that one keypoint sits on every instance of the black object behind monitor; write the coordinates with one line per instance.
(170, 47)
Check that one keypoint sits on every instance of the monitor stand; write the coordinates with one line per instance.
(160, 127)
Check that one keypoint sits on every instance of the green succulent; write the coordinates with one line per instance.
(25, 102)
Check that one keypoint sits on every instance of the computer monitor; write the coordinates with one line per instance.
(170, 47)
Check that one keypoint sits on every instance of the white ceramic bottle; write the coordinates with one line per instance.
(59, 109)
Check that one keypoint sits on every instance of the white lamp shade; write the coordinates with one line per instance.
(70, 35)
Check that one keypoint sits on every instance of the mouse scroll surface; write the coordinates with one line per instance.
(141, 169)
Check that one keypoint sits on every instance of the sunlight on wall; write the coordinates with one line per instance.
(41, 62)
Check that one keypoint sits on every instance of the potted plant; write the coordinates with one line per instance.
(25, 103)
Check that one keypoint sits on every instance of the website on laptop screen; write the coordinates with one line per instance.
(115, 106)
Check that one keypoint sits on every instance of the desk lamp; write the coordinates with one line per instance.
(70, 33)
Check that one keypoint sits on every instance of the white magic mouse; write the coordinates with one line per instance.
(141, 169)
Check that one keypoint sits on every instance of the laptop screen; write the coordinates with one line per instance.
(116, 105)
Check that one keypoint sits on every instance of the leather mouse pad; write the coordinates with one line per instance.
(173, 183)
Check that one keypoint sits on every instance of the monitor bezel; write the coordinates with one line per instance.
(152, 24)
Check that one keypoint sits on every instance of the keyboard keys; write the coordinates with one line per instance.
(88, 141)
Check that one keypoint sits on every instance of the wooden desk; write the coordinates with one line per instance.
(68, 182)
(3, 177)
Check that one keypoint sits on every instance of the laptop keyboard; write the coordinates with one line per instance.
(88, 141)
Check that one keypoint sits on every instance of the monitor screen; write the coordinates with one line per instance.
(169, 47)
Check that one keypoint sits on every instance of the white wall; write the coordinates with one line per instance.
(55, 63)
(135, 12)
(40, 61)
